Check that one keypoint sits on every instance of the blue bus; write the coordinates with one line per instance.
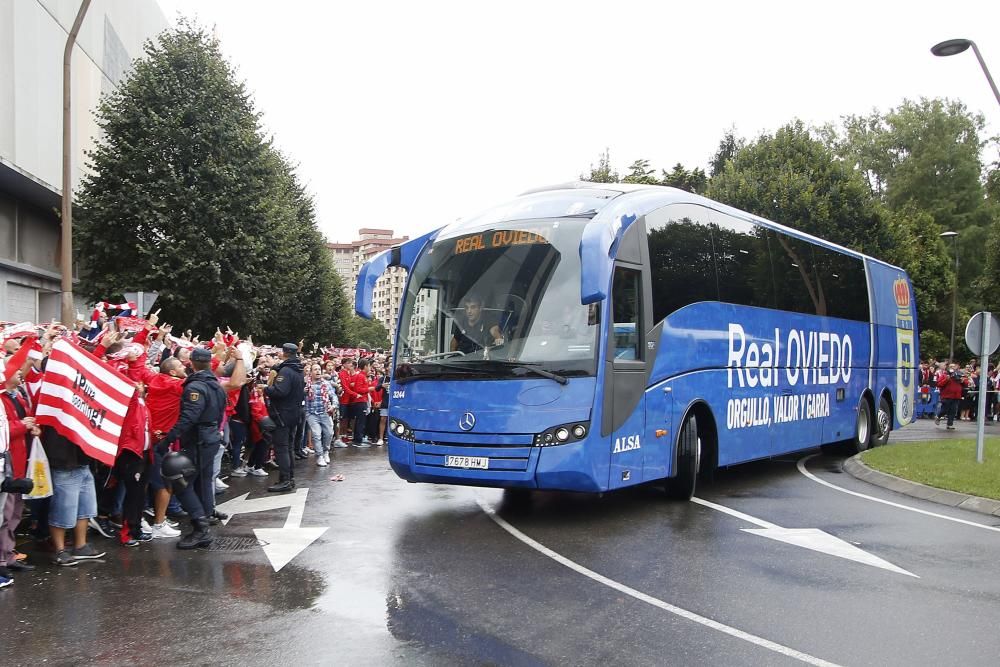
(588, 337)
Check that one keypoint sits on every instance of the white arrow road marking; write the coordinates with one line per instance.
(284, 544)
(809, 538)
(281, 544)
(241, 505)
(649, 599)
(801, 465)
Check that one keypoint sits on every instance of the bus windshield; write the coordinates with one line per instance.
(500, 301)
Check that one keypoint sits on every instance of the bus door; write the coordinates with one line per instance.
(626, 375)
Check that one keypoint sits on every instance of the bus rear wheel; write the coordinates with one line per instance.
(681, 486)
(883, 423)
(863, 431)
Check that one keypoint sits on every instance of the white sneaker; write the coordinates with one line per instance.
(145, 526)
(257, 472)
(327, 457)
(378, 443)
(321, 461)
(220, 485)
(238, 472)
(163, 530)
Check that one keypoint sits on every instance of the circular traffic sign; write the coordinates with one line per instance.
(974, 333)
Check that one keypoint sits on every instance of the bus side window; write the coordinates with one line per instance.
(743, 261)
(625, 303)
(801, 289)
(681, 259)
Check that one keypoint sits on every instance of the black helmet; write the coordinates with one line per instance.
(177, 470)
(267, 425)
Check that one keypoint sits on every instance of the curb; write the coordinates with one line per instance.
(856, 468)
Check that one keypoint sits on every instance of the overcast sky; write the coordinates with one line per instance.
(408, 115)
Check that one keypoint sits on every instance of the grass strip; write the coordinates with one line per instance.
(945, 464)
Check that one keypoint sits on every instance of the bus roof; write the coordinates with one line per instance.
(634, 199)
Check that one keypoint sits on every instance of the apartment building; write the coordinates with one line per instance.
(348, 259)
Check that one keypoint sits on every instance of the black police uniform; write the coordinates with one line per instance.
(285, 398)
(203, 405)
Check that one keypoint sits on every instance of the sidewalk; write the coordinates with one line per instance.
(923, 430)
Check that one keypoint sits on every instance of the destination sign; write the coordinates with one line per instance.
(502, 238)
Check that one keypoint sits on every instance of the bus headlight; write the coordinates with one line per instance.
(400, 429)
(562, 434)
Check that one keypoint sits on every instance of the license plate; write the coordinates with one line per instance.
(480, 462)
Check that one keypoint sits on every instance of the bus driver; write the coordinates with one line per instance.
(472, 329)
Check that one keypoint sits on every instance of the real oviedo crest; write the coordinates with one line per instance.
(905, 362)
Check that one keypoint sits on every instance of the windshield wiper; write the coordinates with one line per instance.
(438, 368)
(527, 366)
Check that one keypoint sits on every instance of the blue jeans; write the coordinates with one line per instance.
(321, 427)
(356, 411)
(73, 497)
(237, 436)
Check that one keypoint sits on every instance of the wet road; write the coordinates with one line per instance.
(423, 575)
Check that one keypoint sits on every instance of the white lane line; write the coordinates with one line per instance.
(801, 465)
(648, 599)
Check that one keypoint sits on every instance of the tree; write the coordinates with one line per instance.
(188, 198)
(602, 173)
(926, 157)
(728, 147)
(918, 247)
(693, 181)
(794, 179)
(370, 334)
(640, 172)
(310, 299)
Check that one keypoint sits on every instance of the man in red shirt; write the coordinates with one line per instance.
(357, 389)
(347, 395)
(21, 428)
(163, 393)
(950, 383)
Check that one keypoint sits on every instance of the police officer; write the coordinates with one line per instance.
(203, 404)
(285, 395)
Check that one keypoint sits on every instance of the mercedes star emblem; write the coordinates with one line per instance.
(467, 422)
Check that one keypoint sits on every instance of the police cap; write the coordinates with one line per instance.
(200, 354)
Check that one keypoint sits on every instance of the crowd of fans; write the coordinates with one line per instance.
(345, 405)
(950, 391)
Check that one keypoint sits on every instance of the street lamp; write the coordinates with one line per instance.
(954, 292)
(951, 47)
(68, 310)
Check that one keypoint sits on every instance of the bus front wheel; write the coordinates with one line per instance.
(863, 432)
(681, 485)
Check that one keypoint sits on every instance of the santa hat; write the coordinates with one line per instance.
(127, 350)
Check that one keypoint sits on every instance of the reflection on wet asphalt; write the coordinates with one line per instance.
(420, 575)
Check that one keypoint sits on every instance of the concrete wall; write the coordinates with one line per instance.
(32, 39)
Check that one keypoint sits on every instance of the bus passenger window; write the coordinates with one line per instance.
(681, 259)
(625, 309)
(743, 262)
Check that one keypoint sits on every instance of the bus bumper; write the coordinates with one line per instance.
(553, 468)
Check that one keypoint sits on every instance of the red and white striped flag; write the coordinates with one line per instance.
(85, 400)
